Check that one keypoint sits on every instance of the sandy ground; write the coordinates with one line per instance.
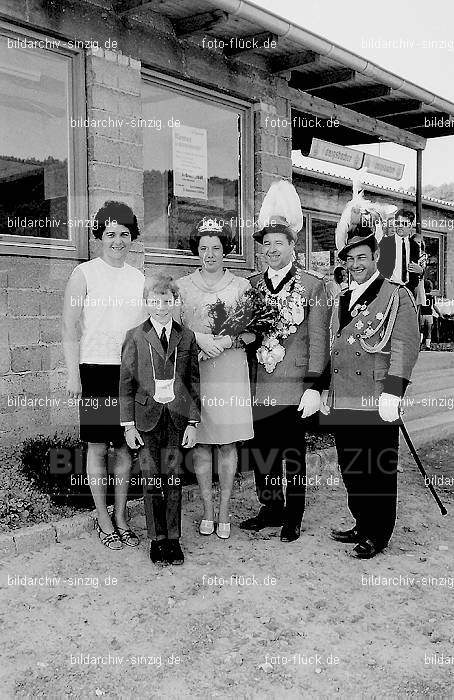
(248, 617)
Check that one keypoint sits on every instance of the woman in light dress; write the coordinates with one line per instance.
(224, 379)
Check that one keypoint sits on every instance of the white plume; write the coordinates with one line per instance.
(359, 207)
(281, 202)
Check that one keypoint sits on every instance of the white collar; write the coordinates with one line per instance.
(158, 327)
(359, 289)
(278, 275)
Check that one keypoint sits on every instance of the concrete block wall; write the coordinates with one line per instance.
(115, 159)
(32, 374)
(272, 151)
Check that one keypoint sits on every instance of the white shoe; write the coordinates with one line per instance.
(223, 531)
(206, 527)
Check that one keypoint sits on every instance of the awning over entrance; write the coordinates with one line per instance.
(323, 79)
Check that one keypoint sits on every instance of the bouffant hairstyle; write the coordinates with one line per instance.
(209, 226)
(115, 212)
(160, 283)
(338, 274)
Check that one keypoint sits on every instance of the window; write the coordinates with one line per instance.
(195, 151)
(38, 208)
(433, 248)
(320, 244)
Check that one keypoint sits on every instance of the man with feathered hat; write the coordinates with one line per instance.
(288, 364)
(375, 343)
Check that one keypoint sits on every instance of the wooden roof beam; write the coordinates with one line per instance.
(354, 95)
(389, 109)
(123, 8)
(196, 23)
(312, 83)
(299, 59)
(303, 102)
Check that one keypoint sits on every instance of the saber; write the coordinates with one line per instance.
(415, 456)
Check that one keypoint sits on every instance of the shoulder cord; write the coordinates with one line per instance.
(391, 309)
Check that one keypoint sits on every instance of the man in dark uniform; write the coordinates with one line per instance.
(374, 349)
(285, 381)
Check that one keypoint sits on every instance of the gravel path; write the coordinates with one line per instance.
(113, 625)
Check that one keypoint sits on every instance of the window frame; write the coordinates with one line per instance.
(427, 233)
(245, 260)
(322, 216)
(75, 247)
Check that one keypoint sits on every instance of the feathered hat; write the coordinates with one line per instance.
(280, 212)
(361, 220)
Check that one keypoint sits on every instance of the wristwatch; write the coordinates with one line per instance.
(194, 423)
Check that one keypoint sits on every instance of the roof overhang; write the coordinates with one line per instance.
(323, 79)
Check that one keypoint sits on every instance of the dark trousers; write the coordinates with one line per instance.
(367, 450)
(279, 434)
(161, 459)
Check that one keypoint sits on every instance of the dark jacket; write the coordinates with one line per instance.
(387, 260)
(136, 376)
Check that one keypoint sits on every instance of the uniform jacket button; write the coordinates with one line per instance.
(335, 371)
(358, 372)
(358, 354)
(336, 352)
(338, 335)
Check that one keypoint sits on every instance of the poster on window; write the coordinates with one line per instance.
(189, 155)
(320, 261)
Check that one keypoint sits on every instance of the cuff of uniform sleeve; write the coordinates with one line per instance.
(395, 385)
(124, 424)
(314, 381)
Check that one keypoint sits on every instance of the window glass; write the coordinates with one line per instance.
(34, 142)
(323, 257)
(192, 166)
(432, 249)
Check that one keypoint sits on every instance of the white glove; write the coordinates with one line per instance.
(310, 403)
(388, 407)
(324, 408)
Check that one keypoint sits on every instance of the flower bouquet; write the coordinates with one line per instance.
(249, 314)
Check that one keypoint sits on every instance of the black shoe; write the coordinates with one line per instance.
(365, 549)
(158, 552)
(261, 520)
(349, 536)
(174, 553)
(290, 533)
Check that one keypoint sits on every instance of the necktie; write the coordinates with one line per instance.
(404, 262)
(164, 342)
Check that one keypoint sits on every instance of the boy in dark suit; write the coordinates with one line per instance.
(160, 411)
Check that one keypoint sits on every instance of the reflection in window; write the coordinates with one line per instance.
(191, 166)
(432, 249)
(323, 256)
(33, 142)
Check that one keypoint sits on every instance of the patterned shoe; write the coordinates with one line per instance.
(111, 540)
(127, 537)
